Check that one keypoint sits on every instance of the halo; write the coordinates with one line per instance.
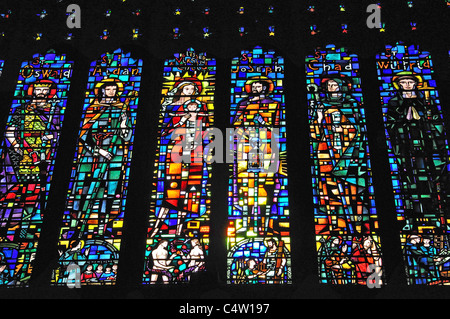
(82, 242)
(342, 77)
(195, 101)
(267, 239)
(409, 74)
(193, 80)
(49, 83)
(248, 84)
(109, 81)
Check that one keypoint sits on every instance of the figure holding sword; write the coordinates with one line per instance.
(31, 135)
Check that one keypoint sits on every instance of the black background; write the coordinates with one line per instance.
(292, 41)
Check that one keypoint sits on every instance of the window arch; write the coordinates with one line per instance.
(28, 153)
(419, 160)
(178, 233)
(345, 214)
(259, 242)
(91, 232)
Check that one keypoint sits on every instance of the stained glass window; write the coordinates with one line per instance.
(28, 154)
(259, 242)
(178, 232)
(419, 160)
(91, 234)
(345, 216)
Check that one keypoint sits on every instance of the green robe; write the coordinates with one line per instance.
(98, 182)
